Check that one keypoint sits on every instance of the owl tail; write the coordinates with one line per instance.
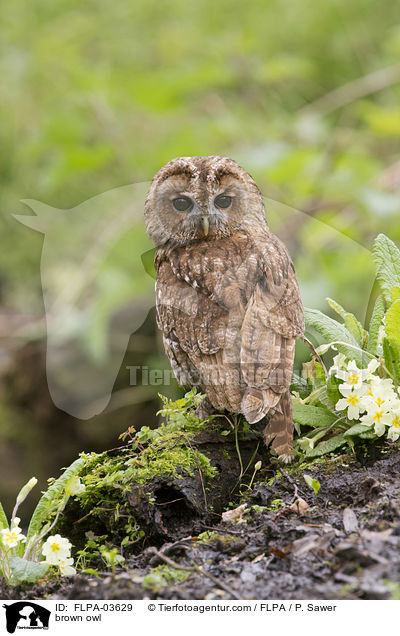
(279, 430)
(256, 403)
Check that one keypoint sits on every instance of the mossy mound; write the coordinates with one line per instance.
(163, 479)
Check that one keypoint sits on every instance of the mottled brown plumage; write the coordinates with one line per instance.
(227, 297)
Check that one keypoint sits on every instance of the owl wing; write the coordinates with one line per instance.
(272, 322)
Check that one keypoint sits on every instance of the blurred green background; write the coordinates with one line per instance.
(97, 95)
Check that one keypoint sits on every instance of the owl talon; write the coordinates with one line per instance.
(285, 458)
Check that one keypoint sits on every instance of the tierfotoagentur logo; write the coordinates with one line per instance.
(26, 615)
(146, 376)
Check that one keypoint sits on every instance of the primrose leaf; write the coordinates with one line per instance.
(351, 323)
(393, 325)
(392, 358)
(314, 416)
(3, 518)
(368, 435)
(332, 388)
(357, 429)
(53, 497)
(375, 322)
(333, 331)
(388, 355)
(387, 260)
(300, 385)
(24, 570)
(327, 447)
(395, 293)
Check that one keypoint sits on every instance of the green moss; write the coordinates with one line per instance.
(104, 472)
(166, 451)
(163, 451)
(258, 509)
(162, 576)
(276, 504)
(169, 460)
(394, 589)
(210, 537)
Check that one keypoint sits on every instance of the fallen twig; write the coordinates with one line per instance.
(195, 568)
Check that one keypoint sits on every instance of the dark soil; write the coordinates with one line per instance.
(345, 546)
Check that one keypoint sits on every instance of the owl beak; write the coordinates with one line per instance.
(205, 225)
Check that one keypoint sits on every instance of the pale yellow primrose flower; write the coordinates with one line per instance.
(56, 549)
(66, 568)
(394, 430)
(377, 416)
(352, 400)
(10, 538)
(381, 392)
(364, 391)
(368, 373)
(339, 364)
(382, 405)
(354, 377)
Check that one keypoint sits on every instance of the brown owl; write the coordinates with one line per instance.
(227, 297)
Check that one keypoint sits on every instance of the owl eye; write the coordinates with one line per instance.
(223, 201)
(181, 204)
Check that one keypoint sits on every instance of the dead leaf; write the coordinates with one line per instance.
(305, 544)
(350, 522)
(299, 506)
(353, 550)
(282, 553)
(382, 535)
(313, 542)
(234, 516)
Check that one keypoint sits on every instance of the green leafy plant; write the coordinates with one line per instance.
(163, 576)
(358, 396)
(312, 483)
(111, 557)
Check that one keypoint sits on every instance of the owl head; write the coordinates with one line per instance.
(201, 198)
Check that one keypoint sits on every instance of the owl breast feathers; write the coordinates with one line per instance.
(227, 297)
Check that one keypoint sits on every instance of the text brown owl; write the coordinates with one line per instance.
(227, 297)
